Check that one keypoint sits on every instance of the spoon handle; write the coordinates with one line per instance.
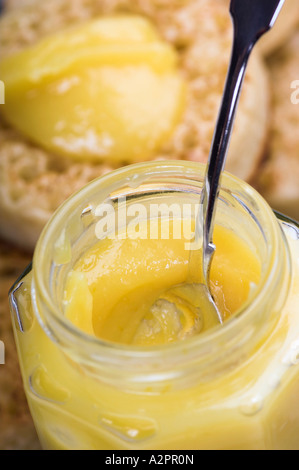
(251, 19)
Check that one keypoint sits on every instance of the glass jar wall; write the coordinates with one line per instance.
(233, 387)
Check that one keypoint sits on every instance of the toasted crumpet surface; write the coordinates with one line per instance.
(278, 178)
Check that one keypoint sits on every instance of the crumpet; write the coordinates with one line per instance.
(35, 181)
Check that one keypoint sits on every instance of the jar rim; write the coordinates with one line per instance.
(61, 329)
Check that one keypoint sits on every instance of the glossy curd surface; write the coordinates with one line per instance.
(114, 288)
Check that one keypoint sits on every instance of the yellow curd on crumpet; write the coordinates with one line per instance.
(102, 372)
(110, 87)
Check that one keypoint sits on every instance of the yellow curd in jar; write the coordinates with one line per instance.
(111, 89)
(102, 372)
(114, 286)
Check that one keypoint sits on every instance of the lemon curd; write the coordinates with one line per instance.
(112, 291)
(98, 82)
(101, 371)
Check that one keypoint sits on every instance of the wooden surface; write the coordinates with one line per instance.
(16, 427)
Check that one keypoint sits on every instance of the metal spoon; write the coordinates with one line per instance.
(251, 19)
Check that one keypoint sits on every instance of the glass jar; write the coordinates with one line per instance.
(234, 387)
